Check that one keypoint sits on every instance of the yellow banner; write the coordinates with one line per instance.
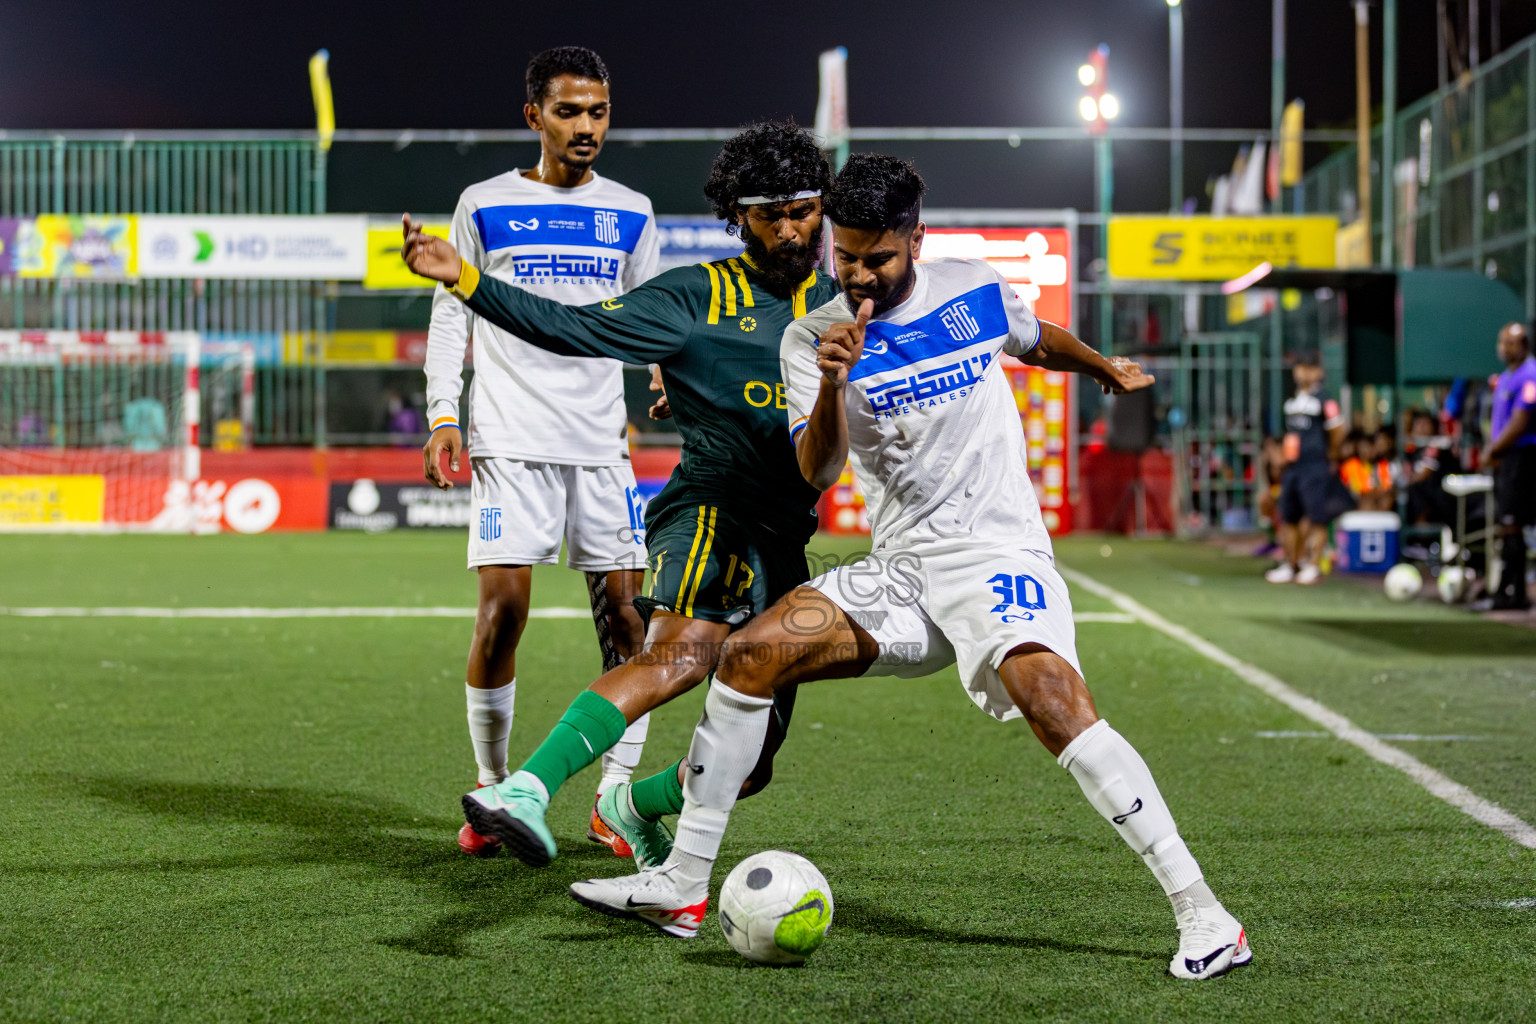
(51, 502)
(1216, 248)
(385, 267)
(359, 346)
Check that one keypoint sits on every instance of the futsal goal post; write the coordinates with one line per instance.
(100, 430)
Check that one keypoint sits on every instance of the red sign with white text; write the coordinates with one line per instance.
(1036, 261)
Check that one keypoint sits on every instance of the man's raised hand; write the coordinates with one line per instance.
(840, 348)
(427, 255)
(1126, 375)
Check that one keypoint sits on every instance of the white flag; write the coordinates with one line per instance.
(832, 103)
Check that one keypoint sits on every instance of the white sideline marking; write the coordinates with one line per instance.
(1103, 617)
(1402, 737)
(1452, 792)
(278, 613)
(360, 612)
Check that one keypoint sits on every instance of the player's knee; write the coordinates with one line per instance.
(1050, 693)
(747, 667)
(498, 621)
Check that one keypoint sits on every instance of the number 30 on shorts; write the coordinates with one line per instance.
(1022, 591)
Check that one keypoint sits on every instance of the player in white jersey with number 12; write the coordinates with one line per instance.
(548, 438)
(961, 568)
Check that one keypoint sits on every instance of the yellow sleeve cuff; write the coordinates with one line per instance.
(469, 280)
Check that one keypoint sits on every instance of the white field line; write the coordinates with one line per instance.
(359, 612)
(1452, 792)
(1401, 737)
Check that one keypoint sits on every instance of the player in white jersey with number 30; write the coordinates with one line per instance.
(548, 438)
(961, 569)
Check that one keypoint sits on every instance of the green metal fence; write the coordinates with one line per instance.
(1465, 179)
(126, 175)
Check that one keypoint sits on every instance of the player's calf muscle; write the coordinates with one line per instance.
(1054, 699)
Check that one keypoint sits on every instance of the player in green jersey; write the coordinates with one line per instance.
(726, 536)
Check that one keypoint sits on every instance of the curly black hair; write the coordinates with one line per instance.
(769, 158)
(562, 60)
(875, 192)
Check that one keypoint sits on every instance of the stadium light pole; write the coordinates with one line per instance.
(1276, 92)
(1388, 134)
(1098, 106)
(1176, 105)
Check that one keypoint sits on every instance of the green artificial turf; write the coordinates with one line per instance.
(253, 820)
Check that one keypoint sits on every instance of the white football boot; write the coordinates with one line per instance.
(1282, 573)
(1211, 943)
(653, 896)
(1308, 574)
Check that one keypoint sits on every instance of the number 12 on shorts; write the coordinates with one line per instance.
(1024, 591)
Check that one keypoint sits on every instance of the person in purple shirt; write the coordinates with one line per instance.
(1513, 456)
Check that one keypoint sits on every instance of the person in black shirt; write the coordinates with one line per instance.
(1311, 495)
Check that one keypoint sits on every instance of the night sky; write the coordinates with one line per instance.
(154, 64)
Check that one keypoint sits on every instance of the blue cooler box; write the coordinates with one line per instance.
(1367, 541)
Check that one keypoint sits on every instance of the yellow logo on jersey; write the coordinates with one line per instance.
(759, 394)
(612, 304)
(748, 324)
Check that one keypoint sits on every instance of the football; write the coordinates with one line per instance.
(775, 908)
(1402, 582)
(1453, 583)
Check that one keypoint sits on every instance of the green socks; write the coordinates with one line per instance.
(588, 728)
(659, 794)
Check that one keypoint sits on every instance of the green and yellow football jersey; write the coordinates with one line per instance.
(714, 329)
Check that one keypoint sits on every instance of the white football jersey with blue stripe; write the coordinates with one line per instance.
(577, 245)
(933, 430)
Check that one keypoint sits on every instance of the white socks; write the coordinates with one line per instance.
(725, 749)
(490, 723)
(621, 760)
(1118, 783)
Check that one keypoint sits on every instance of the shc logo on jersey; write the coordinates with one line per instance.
(490, 524)
(957, 320)
(607, 226)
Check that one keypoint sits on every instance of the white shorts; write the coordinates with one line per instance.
(929, 608)
(524, 509)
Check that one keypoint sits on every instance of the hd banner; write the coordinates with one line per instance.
(317, 248)
(1216, 248)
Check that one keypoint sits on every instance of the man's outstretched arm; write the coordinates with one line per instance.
(1057, 349)
(643, 326)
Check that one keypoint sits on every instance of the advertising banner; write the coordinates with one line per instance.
(321, 248)
(689, 240)
(380, 507)
(1199, 248)
(385, 268)
(62, 245)
(8, 226)
(234, 504)
(51, 502)
(1036, 261)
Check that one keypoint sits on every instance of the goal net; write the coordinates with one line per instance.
(99, 431)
